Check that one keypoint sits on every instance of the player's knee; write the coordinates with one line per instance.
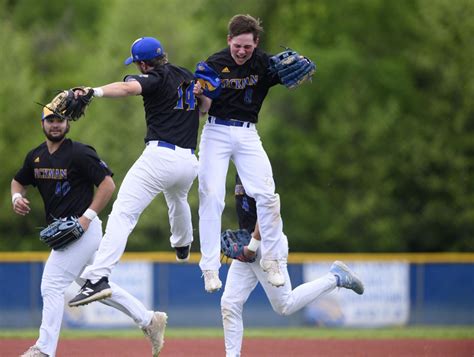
(121, 215)
(207, 192)
(282, 309)
(204, 189)
(285, 311)
(48, 289)
(229, 312)
(267, 198)
(270, 202)
(210, 202)
(226, 313)
(230, 307)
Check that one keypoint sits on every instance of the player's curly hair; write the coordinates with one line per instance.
(240, 24)
(157, 61)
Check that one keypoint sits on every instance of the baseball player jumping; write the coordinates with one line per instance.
(167, 165)
(243, 277)
(65, 173)
(231, 133)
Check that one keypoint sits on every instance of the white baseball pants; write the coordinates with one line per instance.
(219, 144)
(158, 169)
(242, 279)
(61, 269)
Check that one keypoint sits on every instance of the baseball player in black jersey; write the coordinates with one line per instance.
(65, 173)
(231, 133)
(242, 279)
(168, 164)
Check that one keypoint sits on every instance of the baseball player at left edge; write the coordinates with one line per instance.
(65, 173)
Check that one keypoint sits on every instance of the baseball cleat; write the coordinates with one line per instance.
(34, 351)
(155, 332)
(274, 274)
(212, 282)
(92, 292)
(183, 253)
(346, 278)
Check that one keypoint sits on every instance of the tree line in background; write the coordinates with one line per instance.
(375, 155)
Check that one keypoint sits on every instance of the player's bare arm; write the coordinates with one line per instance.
(119, 89)
(204, 102)
(251, 249)
(102, 196)
(21, 205)
(112, 90)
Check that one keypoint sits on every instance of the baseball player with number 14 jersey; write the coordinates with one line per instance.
(167, 165)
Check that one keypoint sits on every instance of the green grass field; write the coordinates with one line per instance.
(455, 332)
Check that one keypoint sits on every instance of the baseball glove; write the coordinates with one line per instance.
(62, 232)
(209, 79)
(292, 68)
(67, 106)
(233, 243)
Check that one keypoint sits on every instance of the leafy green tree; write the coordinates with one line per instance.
(375, 155)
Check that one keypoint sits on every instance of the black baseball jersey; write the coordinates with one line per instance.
(244, 87)
(171, 109)
(65, 179)
(246, 207)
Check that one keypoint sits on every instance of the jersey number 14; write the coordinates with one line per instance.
(186, 99)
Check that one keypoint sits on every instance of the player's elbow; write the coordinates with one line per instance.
(107, 185)
(106, 189)
(112, 185)
(132, 87)
(122, 89)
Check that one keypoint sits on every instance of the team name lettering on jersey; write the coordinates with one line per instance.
(240, 83)
(51, 174)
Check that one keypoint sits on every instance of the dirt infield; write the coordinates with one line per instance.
(115, 347)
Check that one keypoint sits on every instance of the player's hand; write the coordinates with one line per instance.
(249, 254)
(81, 91)
(198, 90)
(21, 206)
(84, 222)
(204, 102)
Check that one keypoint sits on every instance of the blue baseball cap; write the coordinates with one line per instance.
(143, 49)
